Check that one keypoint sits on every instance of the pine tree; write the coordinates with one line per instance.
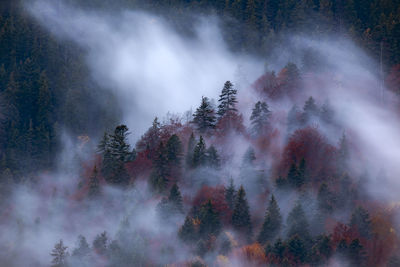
(174, 150)
(100, 243)
(209, 220)
(297, 223)
(159, 177)
(204, 117)
(187, 232)
(260, 118)
(272, 223)
(213, 160)
(199, 154)
(361, 222)
(82, 252)
(227, 100)
(230, 194)
(241, 220)
(59, 254)
(175, 200)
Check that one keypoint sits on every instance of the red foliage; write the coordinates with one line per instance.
(342, 231)
(309, 144)
(231, 121)
(217, 197)
(141, 166)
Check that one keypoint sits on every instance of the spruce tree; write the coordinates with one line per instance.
(297, 223)
(199, 154)
(259, 118)
(227, 100)
(82, 252)
(210, 223)
(356, 253)
(100, 243)
(60, 255)
(159, 177)
(272, 223)
(187, 232)
(230, 194)
(175, 200)
(204, 117)
(213, 160)
(174, 150)
(241, 220)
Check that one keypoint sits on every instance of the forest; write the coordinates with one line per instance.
(199, 133)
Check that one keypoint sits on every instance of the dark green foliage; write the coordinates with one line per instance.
(171, 206)
(272, 223)
(60, 255)
(361, 222)
(227, 100)
(241, 220)
(174, 150)
(204, 117)
(213, 160)
(188, 231)
(210, 223)
(199, 154)
(321, 250)
(297, 223)
(115, 151)
(356, 253)
(159, 177)
(260, 118)
(230, 194)
(297, 248)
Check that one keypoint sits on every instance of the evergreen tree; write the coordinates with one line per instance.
(361, 222)
(230, 194)
(249, 157)
(297, 223)
(259, 118)
(94, 185)
(82, 252)
(204, 117)
(209, 220)
(100, 243)
(159, 177)
(295, 177)
(272, 223)
(241, 220)
(199, 154)
(324, 199)
(175, 200)
(310, 109)
(187, 232)
(213, 158)
(227, 100)
(356, 253)
(174, 150)
(59, 254)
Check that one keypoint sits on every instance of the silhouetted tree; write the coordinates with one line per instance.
(241, 220)
(59, 254)
(204, 117)
(272, 223)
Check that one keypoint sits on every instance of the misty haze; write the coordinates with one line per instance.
(199, 133)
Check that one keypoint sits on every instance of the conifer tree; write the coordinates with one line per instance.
(230, 194)
(356, 253)
(82, 252)
(175, 200)
(249, 157)
(310, 109)
(159, 177)
(259, 118)
(213, 160)
(210, 223)
(187, 232)
(204, 117)
(297, 223)
(241, 220)
(227, 100)
(60, 255)
(297, 248)
(199, 154)
(324, 199)
(272, 223)
(100, 243)
(174, 150)
(361, 222)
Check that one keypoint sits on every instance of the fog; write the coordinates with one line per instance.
(153, 69)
